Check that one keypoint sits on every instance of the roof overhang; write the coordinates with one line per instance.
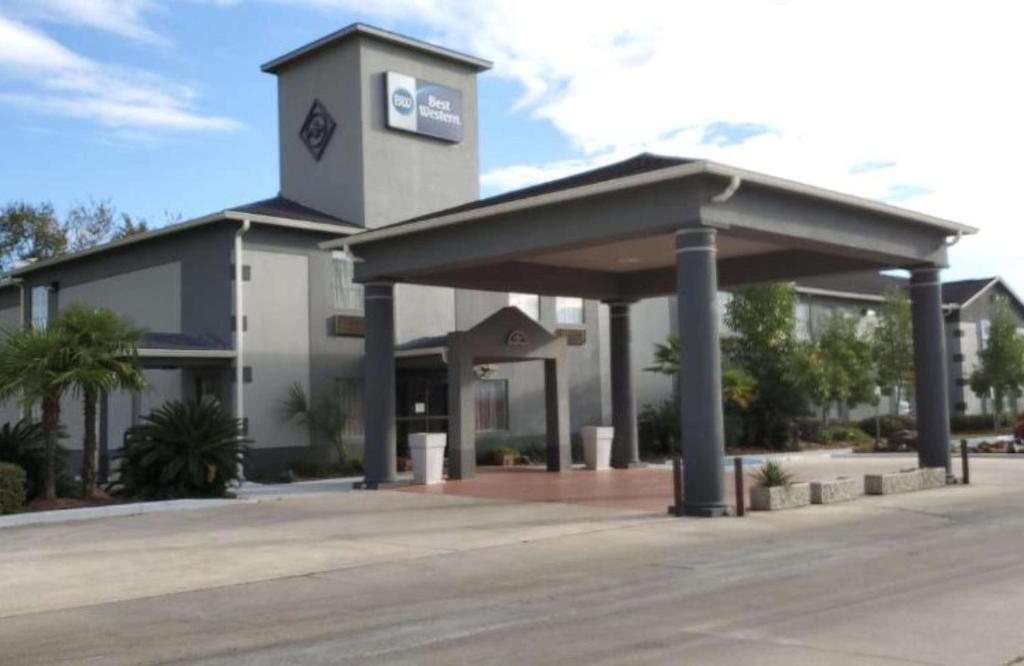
(614, 239)
(221, 216)
(661, 175)
(361, 29)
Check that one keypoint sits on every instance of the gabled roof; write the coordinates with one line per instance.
(361, 29)
(961, 292)
(287, 209)
(643, 169)
(638, 164)
(870, 285)
(277, 211)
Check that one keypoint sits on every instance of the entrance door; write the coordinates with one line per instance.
(422, 404)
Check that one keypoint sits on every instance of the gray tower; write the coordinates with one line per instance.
(375, 127)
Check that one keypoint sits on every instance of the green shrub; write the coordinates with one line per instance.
(496, 455)
(811, 430)
(23, 443)
(13, 488)
(772, 474)
(846, 433)
(182, 449)
(887, 424)
(534, 454)
(978, 422)
(658, 430)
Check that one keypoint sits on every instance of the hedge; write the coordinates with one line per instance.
(13, 488)
(978, 422)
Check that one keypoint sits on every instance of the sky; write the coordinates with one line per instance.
(159, 106)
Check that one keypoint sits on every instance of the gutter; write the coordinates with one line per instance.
(735, 176)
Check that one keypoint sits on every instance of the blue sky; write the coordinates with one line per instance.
(160, 107)
(153, 171)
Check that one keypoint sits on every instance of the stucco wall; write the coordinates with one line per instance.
(277, 344)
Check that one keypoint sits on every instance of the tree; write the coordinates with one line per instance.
(738, 386)
(28, 230)
(324, 417)
(33, 367)
(104, 358)
(763, 320)
(34, 231)
(893, 346)
(1002, 359)
(837, 366)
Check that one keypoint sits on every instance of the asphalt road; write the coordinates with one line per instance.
(930, 578)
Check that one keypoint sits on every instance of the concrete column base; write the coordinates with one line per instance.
(719, 511)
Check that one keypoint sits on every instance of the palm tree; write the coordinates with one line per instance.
(104, 358)
(33, 368)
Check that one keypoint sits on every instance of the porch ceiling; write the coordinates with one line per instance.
(614, 238)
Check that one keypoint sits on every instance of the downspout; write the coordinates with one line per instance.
(239, 321)
(21, 302)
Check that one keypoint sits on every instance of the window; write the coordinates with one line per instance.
(491, 405)
(350, 400)
(803, 321)
(40, 307)
(348, 295)
(569, 310)
(528, 303)
(986, 329)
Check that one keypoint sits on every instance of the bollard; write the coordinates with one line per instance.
(677, 487)
(741, 510)
(965, 467)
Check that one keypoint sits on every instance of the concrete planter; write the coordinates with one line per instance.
(842, 489)
(427, 451)
(775, 498)
(904, 481)
(597, 446)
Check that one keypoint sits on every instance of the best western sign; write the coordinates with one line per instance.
(423, 107)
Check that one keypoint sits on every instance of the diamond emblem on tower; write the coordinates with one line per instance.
(317, 129)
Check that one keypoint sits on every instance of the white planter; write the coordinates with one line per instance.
(427, 451)
(842, 489)
(905, 481)
(780, 497)
(597, 446)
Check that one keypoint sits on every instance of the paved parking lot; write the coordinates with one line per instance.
(400, 577)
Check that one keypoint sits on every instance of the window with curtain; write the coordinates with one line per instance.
(528, 303)
(350, 399)
(491, 405)
(40, 307)
(569, 310)
(348, 295)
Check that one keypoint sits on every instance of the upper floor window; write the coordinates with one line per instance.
(568, 310)
(528, 303)
(985, 330)
(348, 295)
(40, 307)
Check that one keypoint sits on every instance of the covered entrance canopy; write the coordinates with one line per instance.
(652, 226)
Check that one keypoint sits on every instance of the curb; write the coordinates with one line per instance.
(134, 509)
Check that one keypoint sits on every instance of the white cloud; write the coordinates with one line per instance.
(122, 17)
(924, 92)
(46, 77)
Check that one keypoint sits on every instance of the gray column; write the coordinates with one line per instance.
(379, 385)
(556, 401)
(625, 451)
(931, 397)
(701, 422)
(461, 409)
